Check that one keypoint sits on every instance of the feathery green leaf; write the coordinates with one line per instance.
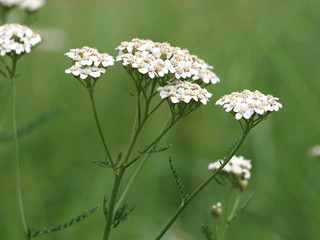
(34, 232)
(183, 194)
(40, 120)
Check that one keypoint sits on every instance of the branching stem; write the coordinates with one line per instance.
(184, 204)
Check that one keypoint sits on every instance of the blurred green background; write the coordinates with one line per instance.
(270, 45)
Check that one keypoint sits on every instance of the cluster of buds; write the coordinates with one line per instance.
(238, 169)
(216, 210)
(88, 63)
(247, 104)
(16, 39)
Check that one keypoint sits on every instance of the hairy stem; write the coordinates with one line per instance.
(203, 185)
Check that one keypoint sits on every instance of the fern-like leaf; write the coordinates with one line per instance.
(34, 232)
(206, 231)
(24, 130)
(106, 164)
(183, 194)
(230, 150)
(105, 209)
(122, 214)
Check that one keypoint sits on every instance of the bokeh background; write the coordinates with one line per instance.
(270, 45)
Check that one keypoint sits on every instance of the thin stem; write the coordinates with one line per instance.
(131, 180)
(98, 125)
(225, 216)
(234, 208)
(215, 228)
(15, 147)
(203, 185)
(116, 184)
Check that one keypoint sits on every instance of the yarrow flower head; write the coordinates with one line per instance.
(155, 59)
(238, 169)
(247, 104)
(9, 3)
(32, 5)
(88, 63)
(315, 151)
(17, 39)
(184, 91)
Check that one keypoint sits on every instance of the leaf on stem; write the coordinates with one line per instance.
(183, 194)
(153, 150)
(230, 150)
(106, 164)
(122, 214)
(40, 120)
(206, 232)
(105, 209)
(242, 207)
(34, 232)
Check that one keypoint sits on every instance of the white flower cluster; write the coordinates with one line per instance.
(9, 3)
(315, 151)
(159, 59)
(247, 103)
(88, 62)
(237, 166)
(184, 91)
(17, 38)
(29, 5)
(32, 5)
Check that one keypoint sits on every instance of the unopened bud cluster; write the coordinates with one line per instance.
(155, 59)
(237, 168)
(17, 39)
(246, 103)
(184, 91)
(216, 210)
(88, 63)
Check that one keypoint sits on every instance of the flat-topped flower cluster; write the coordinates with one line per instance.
(88, 62)
(246, 103)
(155, 59)
(184, 91)
(17, 39)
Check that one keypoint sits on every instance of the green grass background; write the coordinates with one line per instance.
(272, 46)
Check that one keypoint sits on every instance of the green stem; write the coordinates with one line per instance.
(131, 180)
(15, 147)
(215, 228)
(234, 208)
(98, 125)
(116, 184)
(225, 216)
(203, 185)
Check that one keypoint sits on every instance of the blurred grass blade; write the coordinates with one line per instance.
(37, 122)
